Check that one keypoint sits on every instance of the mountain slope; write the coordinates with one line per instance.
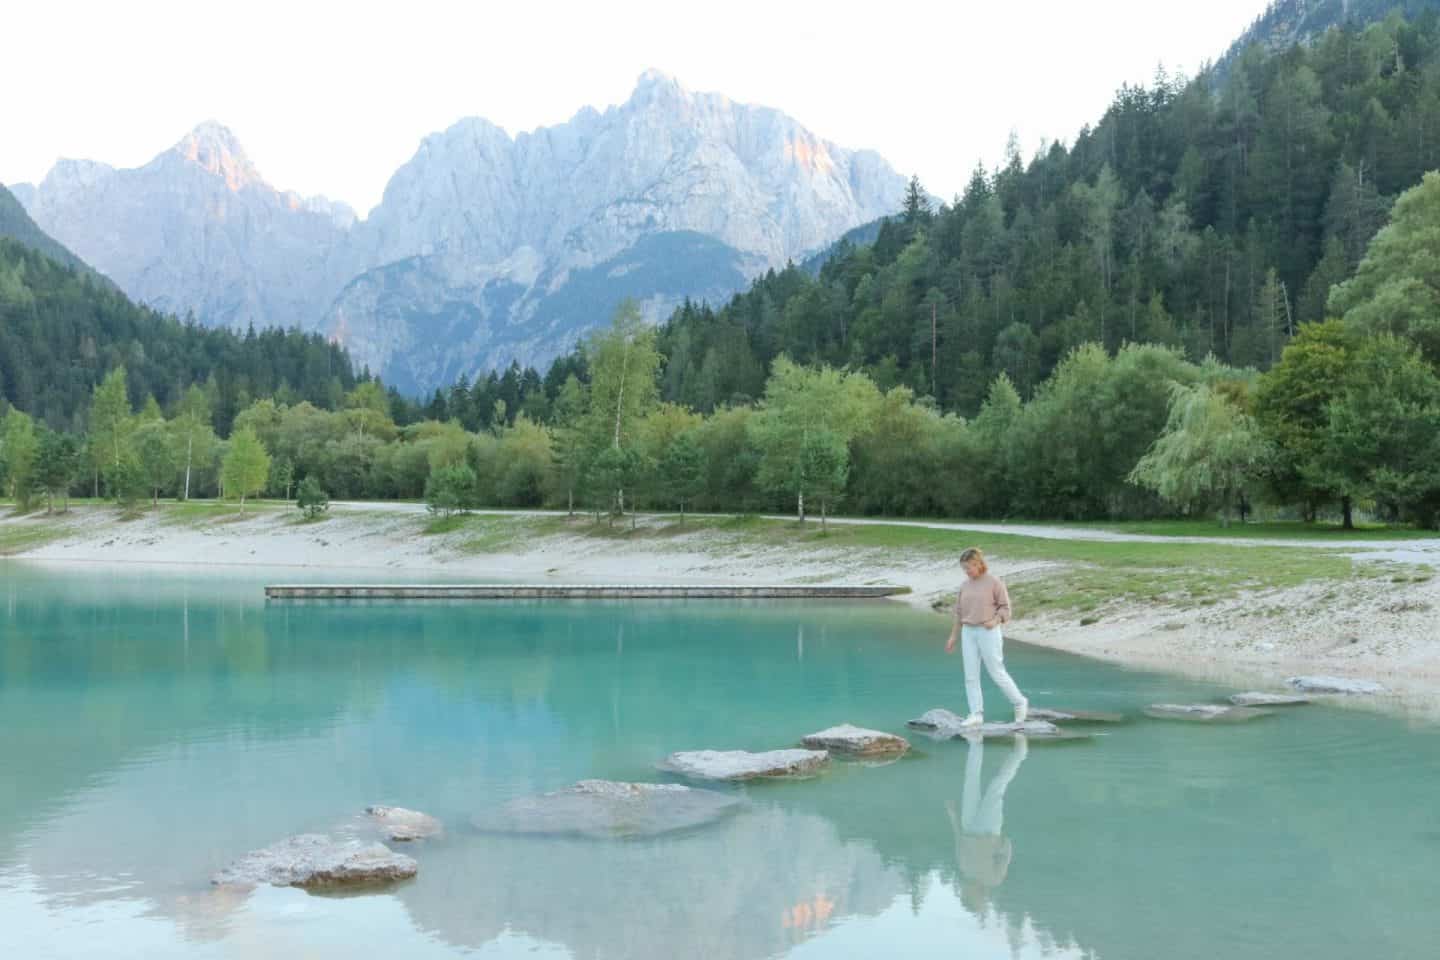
(16, 224)
(63, 329)
(198, 229)
(501, 235)
(1286, 23)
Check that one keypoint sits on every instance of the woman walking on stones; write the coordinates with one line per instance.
(981, 608)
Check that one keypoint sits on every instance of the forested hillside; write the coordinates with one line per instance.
(1215, 222)
(1285, 23)
(62, 330)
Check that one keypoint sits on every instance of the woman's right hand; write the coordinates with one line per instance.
(950, 644)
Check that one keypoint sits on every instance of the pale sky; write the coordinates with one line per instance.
(330, 98)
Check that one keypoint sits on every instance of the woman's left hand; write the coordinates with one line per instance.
(990, 624)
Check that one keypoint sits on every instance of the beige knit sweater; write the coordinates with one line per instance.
(982, 599)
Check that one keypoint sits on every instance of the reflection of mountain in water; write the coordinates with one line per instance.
(746, 888)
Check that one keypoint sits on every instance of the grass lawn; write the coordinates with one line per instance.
(29, 531)
(1090, 576)
(1267, 530)
(491, 533)
(201, 512)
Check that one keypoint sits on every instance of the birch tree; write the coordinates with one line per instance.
(246, 467)
(624, 366)
(194, 433)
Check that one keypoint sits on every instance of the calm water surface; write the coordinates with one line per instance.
(158, 724)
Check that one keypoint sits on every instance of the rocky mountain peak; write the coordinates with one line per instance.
(214, 148)
(69, 177)
(657, 85)
(486, 247)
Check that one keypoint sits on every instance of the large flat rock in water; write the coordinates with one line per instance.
(736, 765)
(944, 724)
(1256, 698)
(939, 722)
(605, 809)
(1203, 712)
(849, 740)
(1343, 685)
(400, 824)
(1031, 729)
(315, 861)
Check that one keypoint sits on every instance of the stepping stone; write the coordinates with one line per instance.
(943, 724)
(1334, 685)
(607, 810)
(1203, 712)
(938, 721)
(400, 824)
(315, 861)
(735, 765)
(1032, 729)
(849, 740)
(1257, 699)
(1074, 716)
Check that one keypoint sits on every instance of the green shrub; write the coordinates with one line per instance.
(451, 490)
(311, 498)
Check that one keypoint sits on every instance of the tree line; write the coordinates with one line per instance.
(1348, 415)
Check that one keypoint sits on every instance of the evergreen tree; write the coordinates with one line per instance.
(682, 471)
(57, 462)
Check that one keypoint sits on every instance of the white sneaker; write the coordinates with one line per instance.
(972, 721)
(1022, 710)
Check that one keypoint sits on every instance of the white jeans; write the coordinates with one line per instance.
(977, 644)
(986, 815)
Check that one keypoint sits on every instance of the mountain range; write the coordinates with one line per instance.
(485, 248)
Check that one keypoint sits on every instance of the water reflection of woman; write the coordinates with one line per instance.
(981, 849)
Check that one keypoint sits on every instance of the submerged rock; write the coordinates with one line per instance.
(1054, 715)
(400, 824)
(1343, 685)
(744, 765)
(1203, 712)
(312, 860)
(1258, 699)
(606, 809)
(852, 741)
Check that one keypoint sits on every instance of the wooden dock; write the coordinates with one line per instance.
(488, 591)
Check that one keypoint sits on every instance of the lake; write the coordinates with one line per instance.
(159, 723)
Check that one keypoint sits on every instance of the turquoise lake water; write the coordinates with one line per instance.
(156, 724)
